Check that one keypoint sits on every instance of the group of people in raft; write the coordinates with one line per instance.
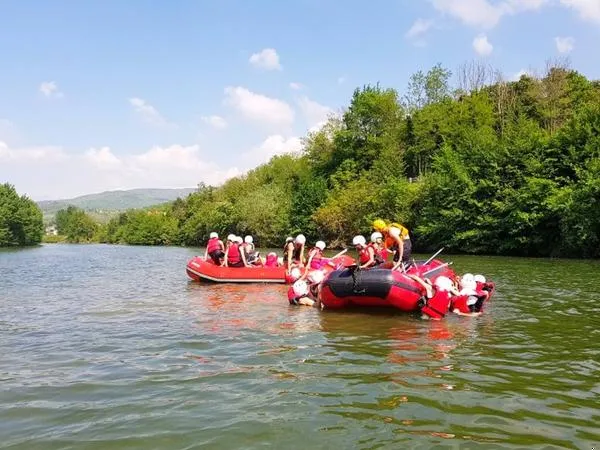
(464, 295)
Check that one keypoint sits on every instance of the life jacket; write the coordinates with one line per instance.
(317, 260)
(363, 254)
(248, 248)
(213, 245)
(380, 254)
(403, 230)
(234, 256)
(466, 305)
(438, 305)
(388, 241)
(271, 260)
(293, 298)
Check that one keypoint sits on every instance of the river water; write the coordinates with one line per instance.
(112, 347)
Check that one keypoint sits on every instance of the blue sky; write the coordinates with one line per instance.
(121, 94)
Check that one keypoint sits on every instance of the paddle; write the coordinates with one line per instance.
(434, 255)
(437, 268)
(339, 254)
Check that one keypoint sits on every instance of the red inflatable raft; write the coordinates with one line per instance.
(200, 270)
(371, 288)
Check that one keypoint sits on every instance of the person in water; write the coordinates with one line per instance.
(293, 252)
(396, 238)
(215, 249)
(470, 299)
(234, 255)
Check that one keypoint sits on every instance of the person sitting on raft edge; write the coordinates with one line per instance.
(215, 249)
(234, 255)
(397, 238)
(368, 255)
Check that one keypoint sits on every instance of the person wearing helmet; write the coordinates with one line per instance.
(471, 298)
(397, 239)
(316, 260)
(381, 253)
(252, 256)
(366, 253)
(299, 294)
(294, 252)
(215, 249)
(437, 305)
(234, 255)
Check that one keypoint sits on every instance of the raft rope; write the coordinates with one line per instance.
(356, 280)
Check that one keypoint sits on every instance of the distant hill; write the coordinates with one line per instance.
(110, 203)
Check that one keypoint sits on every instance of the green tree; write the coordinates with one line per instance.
(20, 219)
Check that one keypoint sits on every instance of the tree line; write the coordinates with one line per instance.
(20, 219)
(488, 167)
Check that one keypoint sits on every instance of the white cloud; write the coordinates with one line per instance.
(50, 172)
(50, 89)
(267, 59)
(482, 46)
(419, 28)
(341, 80)
(215, 121)
(483, 13)
(149, 113)
(315, 113)
(296, 86)
(258, 107)
(564, 44)
(273, 145)
(587, 9)
(30, 154)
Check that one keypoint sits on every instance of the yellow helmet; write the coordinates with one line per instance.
(379, 225)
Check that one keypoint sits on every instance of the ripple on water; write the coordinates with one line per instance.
(108, 347)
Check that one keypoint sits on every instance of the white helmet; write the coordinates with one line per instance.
(213, 235)
(300, 287)
(289, 239)
(359, 240)
(239, 239)
(320, 244)
(316, 276)
(443, 283)
(467, 280)
(248, 240)
(300, 239)
(295, 273)
(231, 237)
(479, 278)
(375, 236)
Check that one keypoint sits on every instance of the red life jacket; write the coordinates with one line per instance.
(317, 260)
(271, 260)
(213, 245)
(437, 306)
(363, 254)
(460, 302)
(233, 256)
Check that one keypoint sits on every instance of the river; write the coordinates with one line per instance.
(113, 347)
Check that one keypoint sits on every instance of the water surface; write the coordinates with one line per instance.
(112, 347)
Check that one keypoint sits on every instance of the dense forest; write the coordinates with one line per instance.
(491, 166)
(20, 219)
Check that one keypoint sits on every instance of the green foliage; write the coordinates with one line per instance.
(508, 168)
(75, 225)
(20, 219)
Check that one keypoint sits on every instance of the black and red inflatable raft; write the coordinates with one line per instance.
(371, 288)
